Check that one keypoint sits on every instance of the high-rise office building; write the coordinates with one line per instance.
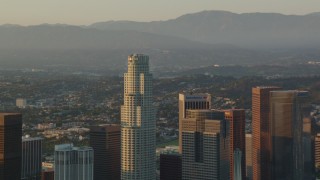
(237, 163)
(73, 163)
(47, 175)
(237, 121)
(138, 126)
(317, 150)
(31, 158)
(249, 156)
(308, 149)
(105, 141)
(286, 116)
(191, 101)
(261, 132)
(277, 120)
(10, 146)
(205, 141)
(170, 167)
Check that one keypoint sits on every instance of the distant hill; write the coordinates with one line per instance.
(314, 14)
(44, 45)
(188, 42)
(85, 48)
(73, 37)
(253, 30)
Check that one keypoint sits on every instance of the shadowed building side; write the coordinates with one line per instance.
(10, 146)
(249, 156)
(286, 116)
(47, 175)
(308, 148)
(105, 141)
(170, 167)
(31, 158)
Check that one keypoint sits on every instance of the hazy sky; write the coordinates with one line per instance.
(85, 12)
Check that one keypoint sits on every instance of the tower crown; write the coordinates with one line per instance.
(138, 59)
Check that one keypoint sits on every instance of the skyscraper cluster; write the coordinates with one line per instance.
(117, 152)
(213, 143)
(205, 141)
(210, 139)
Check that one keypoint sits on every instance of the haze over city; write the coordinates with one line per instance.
(83, 12)
(160, 90)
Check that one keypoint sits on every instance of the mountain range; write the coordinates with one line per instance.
(251, 30)
(190, 41)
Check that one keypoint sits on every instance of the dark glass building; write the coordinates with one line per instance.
(47, 175)
(286, 117)
(105, 141)
(170, 167)
(31, 158)
(281, 148)
(249, 156)
(10, 146)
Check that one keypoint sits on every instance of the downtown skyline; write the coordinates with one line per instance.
(143, 90)
(204, 131)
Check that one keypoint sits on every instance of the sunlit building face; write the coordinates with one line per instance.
(138, 127)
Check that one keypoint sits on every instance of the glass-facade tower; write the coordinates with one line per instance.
(286, 117)
(73, 163)
(10, 146)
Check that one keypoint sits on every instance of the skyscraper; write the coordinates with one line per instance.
(237, 163)
(286, 130)
(73, 163)
(205, 141)
(237, 121)
(249, 156)
(31, 158)
(308, 149)
(261, 132)
(191, 101)
(105, 141)
(317, 150)
(47, 175)
(10, 146)
(170, 167)
(138, 126)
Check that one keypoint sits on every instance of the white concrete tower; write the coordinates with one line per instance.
(138, 126)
